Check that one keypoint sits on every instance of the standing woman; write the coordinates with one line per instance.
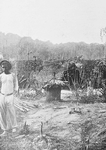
(9, 85)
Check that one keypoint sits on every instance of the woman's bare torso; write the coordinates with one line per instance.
(6, 83)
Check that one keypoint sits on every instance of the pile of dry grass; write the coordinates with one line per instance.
(91, 99)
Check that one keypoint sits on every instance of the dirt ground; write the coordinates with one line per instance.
(64, 124)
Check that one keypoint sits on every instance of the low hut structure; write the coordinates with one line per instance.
(53, 89)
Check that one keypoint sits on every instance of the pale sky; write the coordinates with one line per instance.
(58, 21)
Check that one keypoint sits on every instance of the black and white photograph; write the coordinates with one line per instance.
(52, 74)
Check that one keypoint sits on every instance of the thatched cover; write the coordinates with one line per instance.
(53, 89)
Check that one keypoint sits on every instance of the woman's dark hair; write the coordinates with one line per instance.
(6, 64)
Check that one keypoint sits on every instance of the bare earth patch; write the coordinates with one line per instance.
(59, 125)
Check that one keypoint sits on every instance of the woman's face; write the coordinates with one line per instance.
(6, 68)
(3, 68)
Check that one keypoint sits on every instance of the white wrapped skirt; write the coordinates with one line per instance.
(7, 112)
